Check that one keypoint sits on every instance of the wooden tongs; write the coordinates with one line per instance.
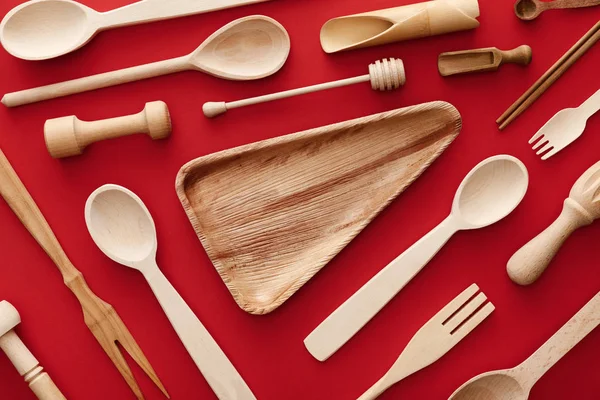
(100, 317)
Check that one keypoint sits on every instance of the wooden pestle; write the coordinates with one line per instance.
(580, 208)
(26, 364)
(383, 74)
(69, 136)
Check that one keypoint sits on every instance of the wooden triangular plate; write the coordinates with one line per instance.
(273, 213)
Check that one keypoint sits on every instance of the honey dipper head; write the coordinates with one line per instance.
(387, 74)
(586, 191)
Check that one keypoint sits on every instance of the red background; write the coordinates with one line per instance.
(268, 350)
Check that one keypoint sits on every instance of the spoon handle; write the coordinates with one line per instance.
(558, 4)
(220, 374)
(531, 260)
(355, 312)
(157, 10)
(578, 327)
(94, 82)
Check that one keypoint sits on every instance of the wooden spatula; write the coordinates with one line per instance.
(437, 337)
(480, 60)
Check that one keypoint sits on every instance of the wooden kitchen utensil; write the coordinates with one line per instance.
(564, 128)
(580, 208)
(480, 60)
(100, 317)
(124, 230)
(24, 361)
(531, 9)
(551, 76)
(383, 75)
(437, 337)
(68, 136)
(488, 193)
(516, 383)
(399, 23)
(43, 29)
(271, 214)
(248, 48)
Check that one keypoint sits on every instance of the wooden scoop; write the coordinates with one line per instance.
(580, 208)
(248, 48)
(531, 9)
(479, 60)
(43, 29)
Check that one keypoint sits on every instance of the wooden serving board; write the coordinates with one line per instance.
(271, 214)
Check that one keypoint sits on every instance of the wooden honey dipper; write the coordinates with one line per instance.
(69, 136)
(26, 364)
(386, 74)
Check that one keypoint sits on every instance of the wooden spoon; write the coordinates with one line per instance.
(248, 48)
(531, 9)
(43, 29)
(581, 208)
(123, 229)
(489, 192)
(516, 383)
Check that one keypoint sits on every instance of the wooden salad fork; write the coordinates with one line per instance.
(437, 337)
(99, 316)
(564, 128)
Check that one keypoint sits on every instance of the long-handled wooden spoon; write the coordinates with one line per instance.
(531, 9)
(516, 383)
(124, 230)
(43, 29)
(489, 192)
(248, 48)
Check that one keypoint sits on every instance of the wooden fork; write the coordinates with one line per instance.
(99, 316)
(564, 128)
(440, 334)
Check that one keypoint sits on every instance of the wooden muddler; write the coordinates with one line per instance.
(68, 136)
(26, 364)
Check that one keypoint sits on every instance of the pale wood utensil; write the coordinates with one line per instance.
(69, 136)
(531, 9)
(100, 317)
(124, 230)
(400, 23)
(437, 337)
(580, 208)
(516, 383)
(271, 214)
(481, 60)
(387, 74)
(489, 192)
(564, 128)
(551, 76)
(24, 361)
(248, 48)
(43, 29)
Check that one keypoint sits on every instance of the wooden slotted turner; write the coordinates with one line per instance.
(271, 214)
(100, 317)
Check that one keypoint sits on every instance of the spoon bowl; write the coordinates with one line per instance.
(121, 225)
(491, 191)
(42, 29)
(527, 9)
(495, 385)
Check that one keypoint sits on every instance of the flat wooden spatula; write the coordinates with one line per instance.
(480, 60)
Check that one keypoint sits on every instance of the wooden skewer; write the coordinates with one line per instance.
(387, 74)
(551, 76)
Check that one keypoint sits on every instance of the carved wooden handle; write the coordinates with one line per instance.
(520, 55)
(528, 264)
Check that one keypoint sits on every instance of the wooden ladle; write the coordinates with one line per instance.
(124, 230)
(516, 383)
(43, 29)
(531, 9)
(248, 48)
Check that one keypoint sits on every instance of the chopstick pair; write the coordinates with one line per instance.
(551, 76)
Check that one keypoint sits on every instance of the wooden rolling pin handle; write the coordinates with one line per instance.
(520, 55)
(69, 136)
(529, 262)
